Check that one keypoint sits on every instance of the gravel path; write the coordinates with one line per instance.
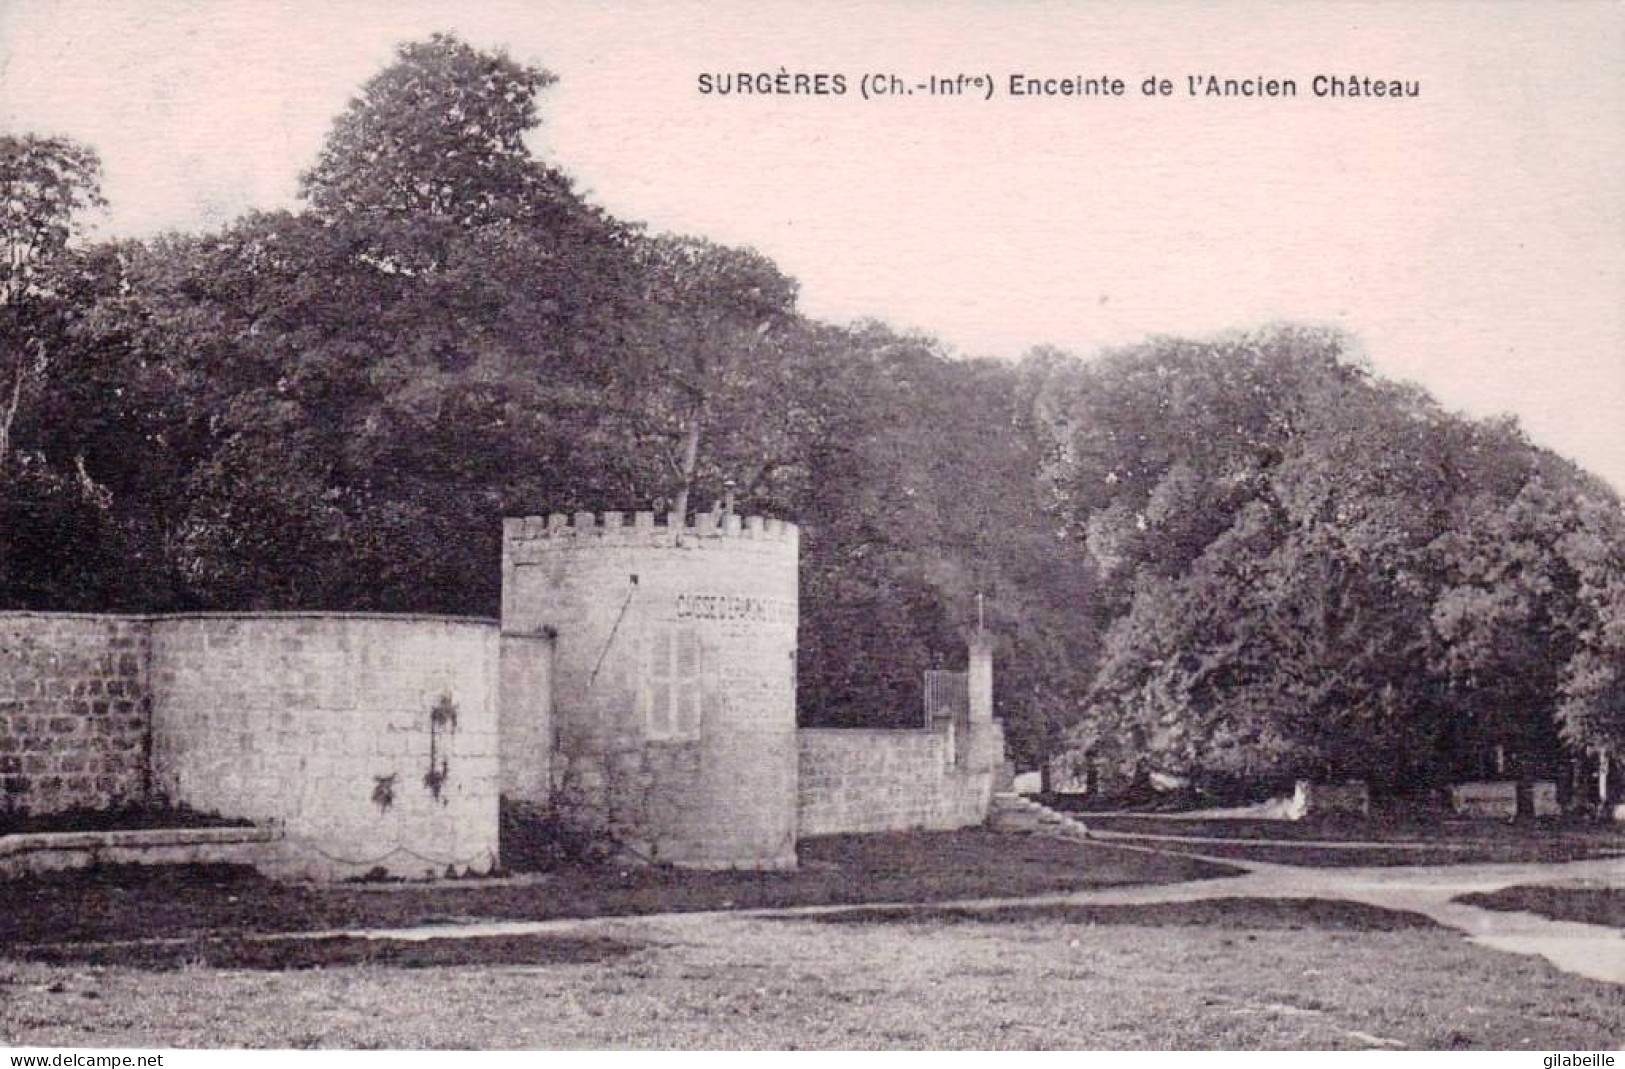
(1587, 950)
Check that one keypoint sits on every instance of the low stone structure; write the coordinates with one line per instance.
(1499, 799)
(21, 855)
(1485, 800)
(885, 780)
(1352, 798)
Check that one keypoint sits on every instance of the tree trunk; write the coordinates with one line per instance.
(29, 359)
(691, 458)
(9, 404)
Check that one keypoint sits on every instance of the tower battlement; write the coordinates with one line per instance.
(645, 528)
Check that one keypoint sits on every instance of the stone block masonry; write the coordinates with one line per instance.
(371, 740)
(937, 779)
(858, 780)
(640, 688)
(672, 724)
(862, 780)
(75, 711)
(368, 742)
(1311, 799)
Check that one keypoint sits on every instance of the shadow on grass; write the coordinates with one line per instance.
(117, 818)
(132, 903)
(278, 955)
(1342, 857)
(1280, 914)
(1584, 905)
(1419, 840)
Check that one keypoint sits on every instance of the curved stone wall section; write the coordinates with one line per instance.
(673, 711)
(73, 711)
(372, 739)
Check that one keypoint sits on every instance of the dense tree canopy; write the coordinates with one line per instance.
(1309, 571)
(1237, 559)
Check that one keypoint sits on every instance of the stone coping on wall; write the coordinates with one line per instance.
(292, 614)
(888, 732)
(21, 855)
(88, 840)
(38, 842)
(633, 527)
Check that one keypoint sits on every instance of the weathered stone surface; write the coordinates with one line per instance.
(1485, 799)
(290, 718)
(1543, 796)
(1329, 799)
(57, 671)
(673, 716)
(369, 739)
(873, 780)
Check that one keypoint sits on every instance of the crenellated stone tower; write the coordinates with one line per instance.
(669, 650)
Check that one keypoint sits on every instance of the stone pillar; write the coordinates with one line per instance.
(982, 747)
(979, 676)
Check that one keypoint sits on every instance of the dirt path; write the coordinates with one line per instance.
(1592, 951)
(1587, 950)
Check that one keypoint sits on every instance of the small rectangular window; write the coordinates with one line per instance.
(672, 694)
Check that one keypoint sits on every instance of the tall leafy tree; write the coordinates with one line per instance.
(420, 351)
(57, 537)
(713, 321)
(439, 134)
(47, 184)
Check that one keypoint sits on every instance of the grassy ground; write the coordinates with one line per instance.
(1587, 905)
(1251, 914)
(135, 903)
(1360, 856)
(1419, 829)
(1234, 975)
(1425, 842)
(1221, 973)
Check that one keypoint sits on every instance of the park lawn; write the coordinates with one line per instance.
(1415, 841)
(1586, 905)
(1419, 829)
(1236, 974)
(129, 903)
(1353, 856)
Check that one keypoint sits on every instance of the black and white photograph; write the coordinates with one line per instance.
(964, 526)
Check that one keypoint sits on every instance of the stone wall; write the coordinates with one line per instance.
(861, 780)
(525, 731)
(641, 686)
(673, 712)
(372, 740)
(74, 711)
(941, 778)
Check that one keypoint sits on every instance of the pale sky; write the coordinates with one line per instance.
(1473, 238)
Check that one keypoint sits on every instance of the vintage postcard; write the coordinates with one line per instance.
(530, 524)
